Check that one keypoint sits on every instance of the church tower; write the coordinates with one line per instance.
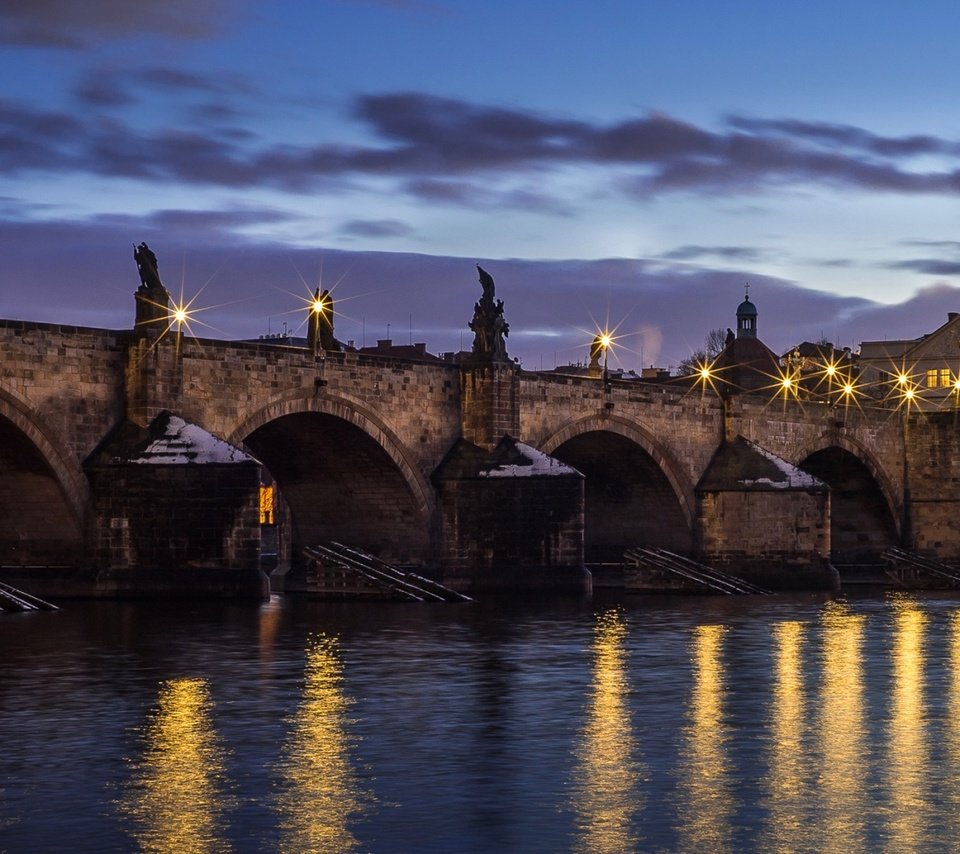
(746, 317)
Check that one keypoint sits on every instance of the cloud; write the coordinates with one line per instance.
(936, 266)
(661, 310)
(72, 25)
(692, 252)
(953, 245)
(375, 228)
(178, 80)
(845, 137)
(103, 90)
(933, 266)
(834, 263)
(34, 139)
(480, 196)
(462, 153)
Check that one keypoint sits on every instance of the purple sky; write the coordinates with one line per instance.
(629, 165)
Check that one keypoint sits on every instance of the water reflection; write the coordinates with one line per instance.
(907, 745)
(843, 802)
(804, 726)
(788, 785)
(953, 724)
(706, 805)
(606, 795)
(176, 798)
(271, 618)
(320, 793)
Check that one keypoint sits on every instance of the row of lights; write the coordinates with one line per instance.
(787, 383)
(182, 313)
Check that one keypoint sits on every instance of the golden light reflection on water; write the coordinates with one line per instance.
(788, 782)
(706, 805)
(606, 794)
(843, 801)
(320, 793)
(907, 747)
(176, 799)
(271, 618)
(953, 722)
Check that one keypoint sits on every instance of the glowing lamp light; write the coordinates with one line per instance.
(831, 370)
(319, 306)
(606, 340)
(902, 379)
(786, 383)
(179, 315)
(705, 373)
(956, 385)
(848, 389)
(909, 394)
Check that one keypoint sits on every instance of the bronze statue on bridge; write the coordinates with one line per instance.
(152, 298)
(147, 267)
(488, 324)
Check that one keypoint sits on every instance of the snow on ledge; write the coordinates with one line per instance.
(540, 465)
(184, 443)
(794, 478)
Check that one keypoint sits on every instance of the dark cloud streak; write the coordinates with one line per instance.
(692, 252)
(375, 228)
(438, 147)
(67, 24)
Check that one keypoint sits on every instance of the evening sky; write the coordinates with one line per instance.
(631, 164)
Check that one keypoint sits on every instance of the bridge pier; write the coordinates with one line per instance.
(175, 510)
(763, 519)
(511, 517)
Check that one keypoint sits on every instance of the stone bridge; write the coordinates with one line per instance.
(396, 456)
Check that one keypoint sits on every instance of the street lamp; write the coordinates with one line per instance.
(605, 343)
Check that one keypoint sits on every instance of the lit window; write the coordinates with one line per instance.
(945, 381)
(266, 504)
(933, 376)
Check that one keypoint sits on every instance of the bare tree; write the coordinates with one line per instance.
(713, 343)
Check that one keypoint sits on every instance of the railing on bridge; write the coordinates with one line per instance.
(672, 571)
(12, 599)
(340, 572)
(908, 569)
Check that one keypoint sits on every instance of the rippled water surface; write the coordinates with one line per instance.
(779, 723)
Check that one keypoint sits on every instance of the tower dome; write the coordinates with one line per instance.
(746, 317)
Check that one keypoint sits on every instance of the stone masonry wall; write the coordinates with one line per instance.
(933, 473)
(226, 384)
(490, 405)
(507, 532)
(763, 527)
(169, 517)
(71, 376)
(685, 427)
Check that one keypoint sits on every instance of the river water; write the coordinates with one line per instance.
(775, 723)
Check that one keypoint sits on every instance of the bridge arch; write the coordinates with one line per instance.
(44, 495)
(344, 474)
(865, 511)
(635, 492)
